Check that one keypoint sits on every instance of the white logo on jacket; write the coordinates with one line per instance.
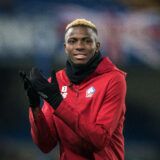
(64, 91)
(90, 92)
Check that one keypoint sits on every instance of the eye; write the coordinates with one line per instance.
(87, 40)
(71, 41)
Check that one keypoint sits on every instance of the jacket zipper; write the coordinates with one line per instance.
(77, 93)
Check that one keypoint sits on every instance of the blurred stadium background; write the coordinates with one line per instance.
(31, 34)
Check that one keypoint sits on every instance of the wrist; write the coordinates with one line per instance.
(34, 98)
(35, 111)
(55, 101)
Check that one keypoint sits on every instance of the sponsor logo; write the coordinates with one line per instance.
(90, 92)
(64, 95)
(64, 91)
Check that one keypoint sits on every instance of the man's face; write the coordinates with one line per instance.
(80, 44)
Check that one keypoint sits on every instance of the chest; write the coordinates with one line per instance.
(87, 97)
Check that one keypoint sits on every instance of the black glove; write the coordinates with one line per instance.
(48, 91)
(33, 97)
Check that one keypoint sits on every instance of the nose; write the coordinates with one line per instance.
(80, 45)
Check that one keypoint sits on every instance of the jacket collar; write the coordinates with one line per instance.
(105, 66)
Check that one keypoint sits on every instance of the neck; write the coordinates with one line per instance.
(78, 72)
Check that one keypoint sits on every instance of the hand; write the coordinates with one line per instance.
(33, 97)
(48, 91)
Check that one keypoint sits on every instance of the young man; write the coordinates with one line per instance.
(84, 104)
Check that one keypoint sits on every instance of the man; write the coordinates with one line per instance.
(84, 104)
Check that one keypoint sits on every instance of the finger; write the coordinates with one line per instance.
(37, 80)
(27, 83)
(53, 76)
(22, 74)
(24, 78)
(36, 74)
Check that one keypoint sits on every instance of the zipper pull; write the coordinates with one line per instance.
(70, 86)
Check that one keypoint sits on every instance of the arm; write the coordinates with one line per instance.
(98, 134)
(43, 129)
(42, 122)
(112, 110)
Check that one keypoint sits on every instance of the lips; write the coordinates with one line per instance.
(80, 56)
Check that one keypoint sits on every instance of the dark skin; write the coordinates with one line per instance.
(80, 46)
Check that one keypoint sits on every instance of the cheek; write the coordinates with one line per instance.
(67, 49)
(68, 52)
(93, 48)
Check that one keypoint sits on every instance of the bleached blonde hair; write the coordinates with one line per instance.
(81, 22)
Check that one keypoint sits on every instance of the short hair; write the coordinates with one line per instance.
(81, 22)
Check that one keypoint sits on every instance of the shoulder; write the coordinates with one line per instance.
(60, 73)
(115, 75)
(116, 80)
(118, 75)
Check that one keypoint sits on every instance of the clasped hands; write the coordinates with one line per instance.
(37, 85)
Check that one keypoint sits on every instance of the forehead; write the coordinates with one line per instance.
(79, 31)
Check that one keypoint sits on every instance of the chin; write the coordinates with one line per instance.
(80, 62)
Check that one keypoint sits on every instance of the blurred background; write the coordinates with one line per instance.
(32, 34)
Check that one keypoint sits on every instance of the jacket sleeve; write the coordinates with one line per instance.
(43, 129)
(98, 134)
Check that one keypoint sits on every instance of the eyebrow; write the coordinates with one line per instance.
(80, 38)
(86, 36)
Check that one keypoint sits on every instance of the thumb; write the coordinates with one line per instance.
(22, 75)
(35, 73)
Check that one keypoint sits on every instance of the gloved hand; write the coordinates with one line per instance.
(48, 91)
(33, 97)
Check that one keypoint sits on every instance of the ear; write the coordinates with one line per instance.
(65, 48)
(97, 46)
(65, 45)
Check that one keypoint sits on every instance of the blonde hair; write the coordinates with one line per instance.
(81, 22)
